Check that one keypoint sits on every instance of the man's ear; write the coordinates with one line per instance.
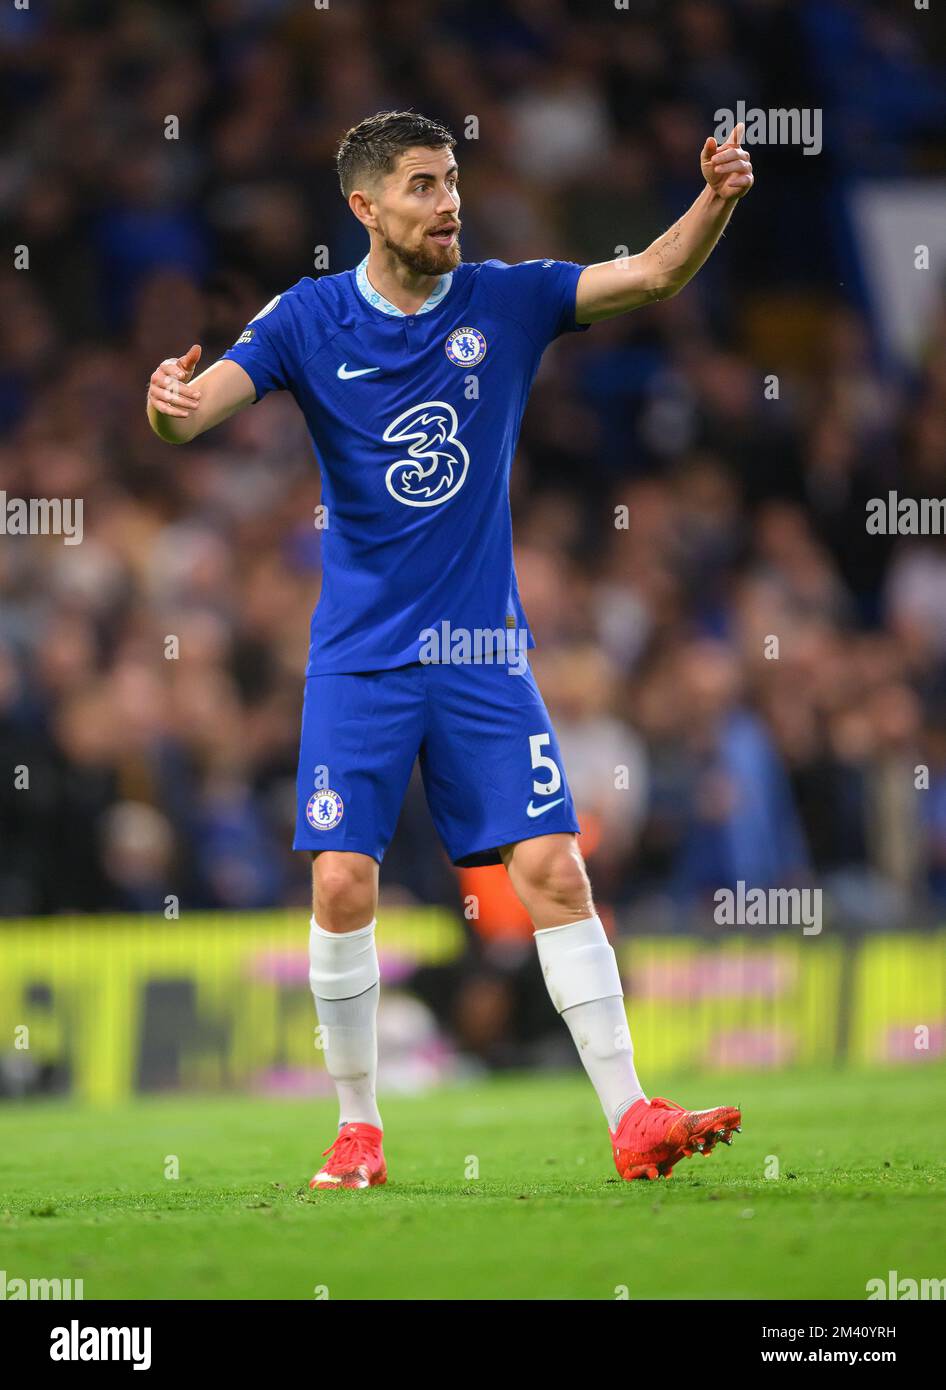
(363, 208)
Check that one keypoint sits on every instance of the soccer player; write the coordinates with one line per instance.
(412, 371)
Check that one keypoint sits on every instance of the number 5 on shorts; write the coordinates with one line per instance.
(536, 743)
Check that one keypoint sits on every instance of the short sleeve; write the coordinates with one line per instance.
(268, 349)
(541, 295)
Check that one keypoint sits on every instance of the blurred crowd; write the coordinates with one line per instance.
(746, 684)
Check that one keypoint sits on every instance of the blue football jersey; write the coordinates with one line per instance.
(415, 420)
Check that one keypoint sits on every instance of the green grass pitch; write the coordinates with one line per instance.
(860, 1192)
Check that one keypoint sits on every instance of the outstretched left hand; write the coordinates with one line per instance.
(727, 168)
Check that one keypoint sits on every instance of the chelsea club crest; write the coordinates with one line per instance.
(465, 347)
(324, 810)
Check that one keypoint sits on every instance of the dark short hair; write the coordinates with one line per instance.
(373, 146)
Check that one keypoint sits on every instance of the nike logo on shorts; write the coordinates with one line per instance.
(534, 811)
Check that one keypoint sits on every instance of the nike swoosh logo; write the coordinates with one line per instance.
(534, 811)
(345, 375)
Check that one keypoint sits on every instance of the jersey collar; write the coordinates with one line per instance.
(378, 301)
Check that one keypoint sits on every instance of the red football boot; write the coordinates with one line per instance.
(654, 1135)
(356, 1159)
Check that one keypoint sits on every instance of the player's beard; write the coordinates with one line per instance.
(429, 258)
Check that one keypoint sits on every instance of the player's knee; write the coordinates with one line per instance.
(558, 878)
(344, 891)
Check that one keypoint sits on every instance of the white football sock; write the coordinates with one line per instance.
(582, 977)
(345, 981)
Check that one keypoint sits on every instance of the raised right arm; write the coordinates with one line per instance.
(180, 408)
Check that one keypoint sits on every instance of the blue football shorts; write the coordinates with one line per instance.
(489, 757)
